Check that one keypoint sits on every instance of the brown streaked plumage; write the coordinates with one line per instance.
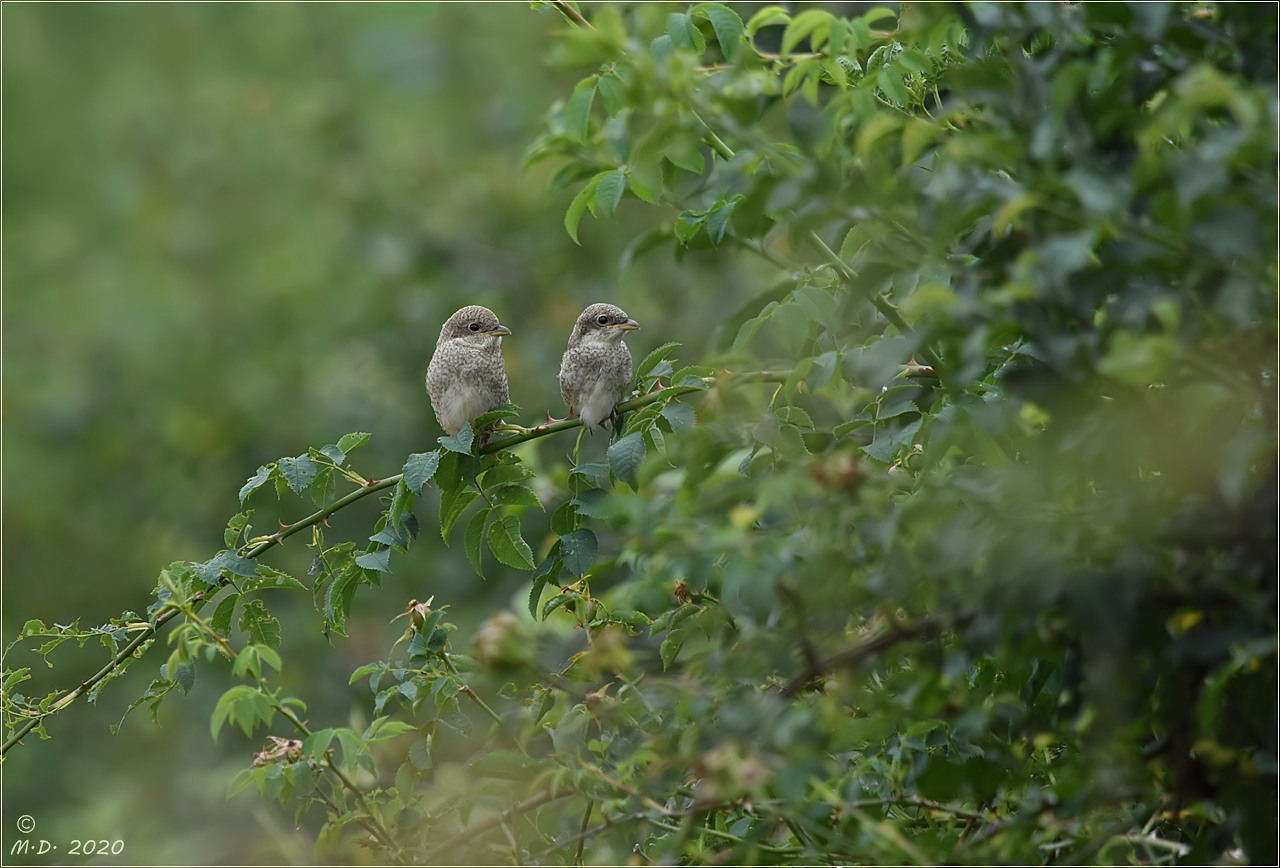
(595, 371)
(466, 376)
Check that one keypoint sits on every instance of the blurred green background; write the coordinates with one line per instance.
(230, 233)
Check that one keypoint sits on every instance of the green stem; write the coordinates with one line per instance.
(582, 832)
(199, 598)
(627, 406)
(467, 689)
(567, 10)
(881, 304)
(493, 822)
(716, 142)
(727, 836)
(370, 821)
(584, 835)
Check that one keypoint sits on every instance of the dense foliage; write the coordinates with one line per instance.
(959, 545)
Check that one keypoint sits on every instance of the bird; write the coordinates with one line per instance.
(595, 371)
(466, 376)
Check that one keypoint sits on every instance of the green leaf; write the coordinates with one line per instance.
(748, 329)
(792, 325)
(401, 510)
(558, 601)
(210, 572)
(609, 191)
(452, 504)
(298, 472)
(385, 729)
(693, 376)
(914, 61)
(349, 443)
(684, 33)
(625, 457)
(791, 385)
(819, 304)
(497, 414)
(652, 360)
(852, 425)
(419, 469)
(577, 112)
(890, 81)
(460, 442)
(378, 560)
(718, 219)
(270, 577)
(885, 447)
(315, 745)
(260, 625)
(683, 148)
(221, 620)
(396, 536)
(185, 675)
(241, 704)
(879, 13)
(256, 481)
(812, 23)
(254, 657)
(795, 416)
(355, 751)
(509, 472)
(578, 207)
(420, 753)
(516, 495)
(543, 576)
(611, 93)
(337, 603)
(507, 545)
(565, 518)
(578, 550)
(472, 539)
(896, 401)
(670, 647)
(331, 452)
(767, 17)
(235, 526)
(680, 416)
(728, 27)
(323, 487)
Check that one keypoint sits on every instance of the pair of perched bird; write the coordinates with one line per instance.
(467, 377)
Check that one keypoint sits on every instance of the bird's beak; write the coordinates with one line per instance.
(628, 326)
(499, 331)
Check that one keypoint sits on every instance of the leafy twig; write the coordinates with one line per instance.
(567, 10)
(928, 626)
(887, 310)
(199, 598)
(493, 822)
(371, 820)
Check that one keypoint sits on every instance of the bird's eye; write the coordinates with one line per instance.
(475, 326)
(602, 319)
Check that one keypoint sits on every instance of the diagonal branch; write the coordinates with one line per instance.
(568, 11)
(886, 309)
(497, 820)
(926, 628)
(136, 646)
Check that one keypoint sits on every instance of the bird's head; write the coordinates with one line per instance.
(473, 323)
(602, 323)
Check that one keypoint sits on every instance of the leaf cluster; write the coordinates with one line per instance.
(960, 546)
